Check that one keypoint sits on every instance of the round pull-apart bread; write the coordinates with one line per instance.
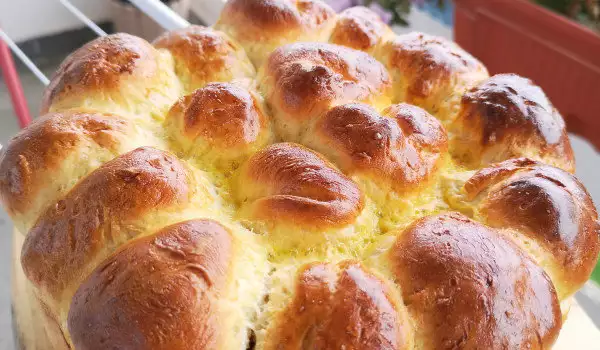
(297, 179)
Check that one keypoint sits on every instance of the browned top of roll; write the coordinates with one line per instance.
(546, 204)
(400, 147)
(203, 55)
(508, 103)
(428, 61)
(309, 77)
(345, 309)
(510, 112)
(359, 28)
(289, 184)
(158, 292)
(43, 145)
(260, 18)
(466, 286)
(99, 65)
(430, 72)
(92, 218)
(222, 114)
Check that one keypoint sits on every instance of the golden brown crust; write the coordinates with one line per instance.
(100, 231)
(495, 173)
(346, 309)
(429, 61)
(220, 117)
(262, 25)
(204, 55)
(287, 183)
(262, 16)
(429, 70)
(158, 292)
(548, 205)
(41, 148)
(507, 116)
(99, 66)
(96, 215)
(302, 81)
(466, 286)
(360, 28)
(401, 147)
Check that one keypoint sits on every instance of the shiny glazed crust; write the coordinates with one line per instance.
(38, 152)
(399, 148)
(546, 205)
(288, 185)
(220, 123)
(430, 72)
(188, 260)
(467, 286)
(340, 307)
(302, 81)
(110, 74)
(507, 116)
(297, 179)
(99, 214)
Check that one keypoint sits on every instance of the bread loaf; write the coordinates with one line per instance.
(297, 179)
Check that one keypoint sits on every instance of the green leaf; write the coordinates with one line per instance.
(596, 274)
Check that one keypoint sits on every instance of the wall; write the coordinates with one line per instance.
(207, 10)
(26, 19)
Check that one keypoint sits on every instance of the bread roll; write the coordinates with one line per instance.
(299, 198)
(360, 28)
(507, 116)
(302, 81)
(261, 26)
(204, 55)
(116, 202)
(430, 72)
(394, 156)
(43, 161)
(341, 306)
(221, 125)
(117, 73)
(183, 278)
(548, 212)
(173, 278)
(467, 286)
(295, 179)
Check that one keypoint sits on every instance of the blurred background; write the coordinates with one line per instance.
(556, 43)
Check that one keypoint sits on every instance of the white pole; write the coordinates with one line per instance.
(88, 22)
(21, 55)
